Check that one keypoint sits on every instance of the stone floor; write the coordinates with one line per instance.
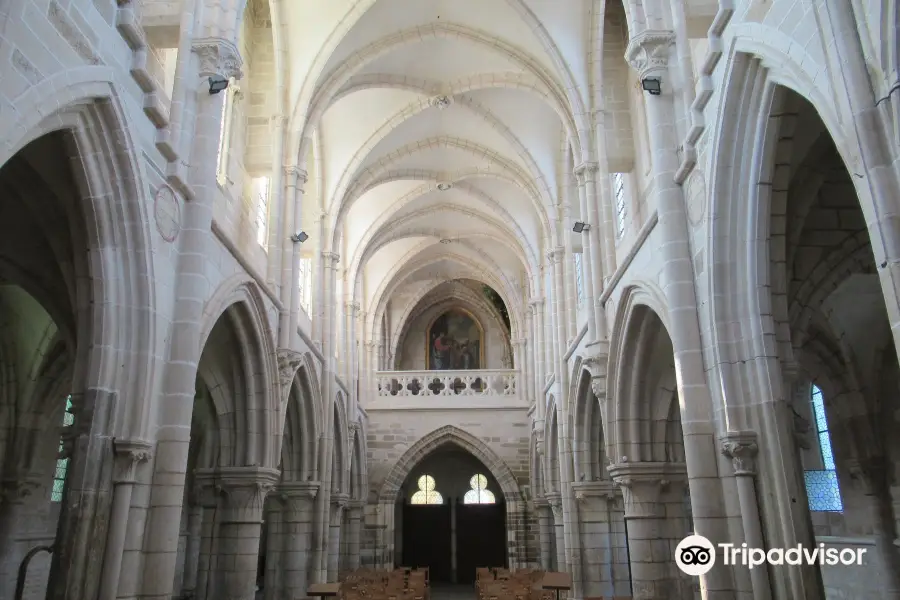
(452, 592)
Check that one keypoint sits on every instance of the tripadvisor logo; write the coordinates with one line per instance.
(695, 555)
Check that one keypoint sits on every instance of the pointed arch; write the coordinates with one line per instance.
(301, 428)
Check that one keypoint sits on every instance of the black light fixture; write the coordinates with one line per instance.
(652, 85)
(579, 227)
(217, 83)
(299, 238)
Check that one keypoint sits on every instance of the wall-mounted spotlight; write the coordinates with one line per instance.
(217, 83)
(299, 237)
(652, 85)
(579, 227)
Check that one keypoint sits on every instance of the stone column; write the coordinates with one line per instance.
(298, 522)
(129, 453)
(536, 306)
(586, 173)
(871, 476)
(653, 494)
(207, 495)
(354, 532)
(336, 519)
(648, 53)
(545, 530)
(555, 501)
(570, 301)
(244, 490)
(527, 370)
(595, 531)
(273, 577)
(557, 310)
(210, 57)
(741, 448)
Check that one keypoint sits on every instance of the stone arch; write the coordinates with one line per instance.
(359, 467)
(512, 494)
(340, 457)
(551, 447)
(301, 433)
(587, 431)
(236, 311)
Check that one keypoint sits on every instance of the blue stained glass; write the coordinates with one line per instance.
(823, 491)
(819, 409)
(827, 455)
(62, 464)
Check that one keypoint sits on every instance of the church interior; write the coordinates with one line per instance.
(450, 299)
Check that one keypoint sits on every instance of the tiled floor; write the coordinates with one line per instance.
(452, 592)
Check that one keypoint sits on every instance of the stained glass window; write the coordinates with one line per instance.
(62, 464)
(822, 487)
(618, 184)
(261, 197)
(479, 494)
(579, 278)
(427, 494)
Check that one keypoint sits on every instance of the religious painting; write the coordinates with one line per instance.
(455, 342)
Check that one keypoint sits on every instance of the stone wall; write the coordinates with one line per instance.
(400, 440)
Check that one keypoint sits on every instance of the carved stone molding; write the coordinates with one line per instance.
(218, 57)
(554, 499)
(244, 490)
(331, 257)
(298, 498)
(289, 362)
(353, 307)
(536, 303)
(21, 489)
(643, 485)
(441, 102)
(648, 52)
(555, 255)
(129, 454)
(295, 176)
(869, 475)
(586, 171)
(742, 449)
(598, 386)
(585, 491)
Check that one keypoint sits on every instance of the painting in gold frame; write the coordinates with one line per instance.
(454, 341)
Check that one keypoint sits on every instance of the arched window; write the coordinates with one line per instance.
(479, 494)
(427, 493)
(618, 188)
(225, 132)
(822, 484)
(62, 464)
(261, 197)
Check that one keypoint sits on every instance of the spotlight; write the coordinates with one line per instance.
(652, 85)
(579, 227)
(299, 238)
(217, 84)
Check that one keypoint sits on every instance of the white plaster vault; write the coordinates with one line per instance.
(239, 417)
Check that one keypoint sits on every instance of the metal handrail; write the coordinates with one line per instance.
(23, 569)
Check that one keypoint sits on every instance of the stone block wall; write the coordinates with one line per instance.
(398, 440)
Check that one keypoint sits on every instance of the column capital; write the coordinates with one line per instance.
(245, 490)
(21, 489)
(868, 474)
(129, 454)
(340, 500)
(741, 447)
(288, 363)
(586, 171)
(554, 499)
(541, 503)
(331, 257)
(295, 175)
(353, 307)
(643, 485)
(370, 344)
(278, 121)
(297, 496)
(648, 52)
(536, 303)
(218, 57)
(555, 255)
(587, 490)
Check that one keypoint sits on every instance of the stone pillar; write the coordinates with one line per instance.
(596, 531)
(536, 306)
(654, 496)
(209, 57)
(336, 519)
(207, 496)
(870, 475)
(244, 490)
(741, 448)
(354, 532)
(545, 530)
(648, 53)
(555, 501)
(129, 454)
(527, 370)
(273, 577)
(557, 310)
(587, 172)
(570, 300)
(298, 521)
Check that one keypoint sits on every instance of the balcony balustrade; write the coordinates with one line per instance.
(486, 382)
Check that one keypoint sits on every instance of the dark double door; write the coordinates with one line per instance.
(480, 539)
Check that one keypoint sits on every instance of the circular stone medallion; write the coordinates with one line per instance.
(695, 196)
(167, 210)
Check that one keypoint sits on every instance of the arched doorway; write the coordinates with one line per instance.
(453, 516)
(452, 457)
